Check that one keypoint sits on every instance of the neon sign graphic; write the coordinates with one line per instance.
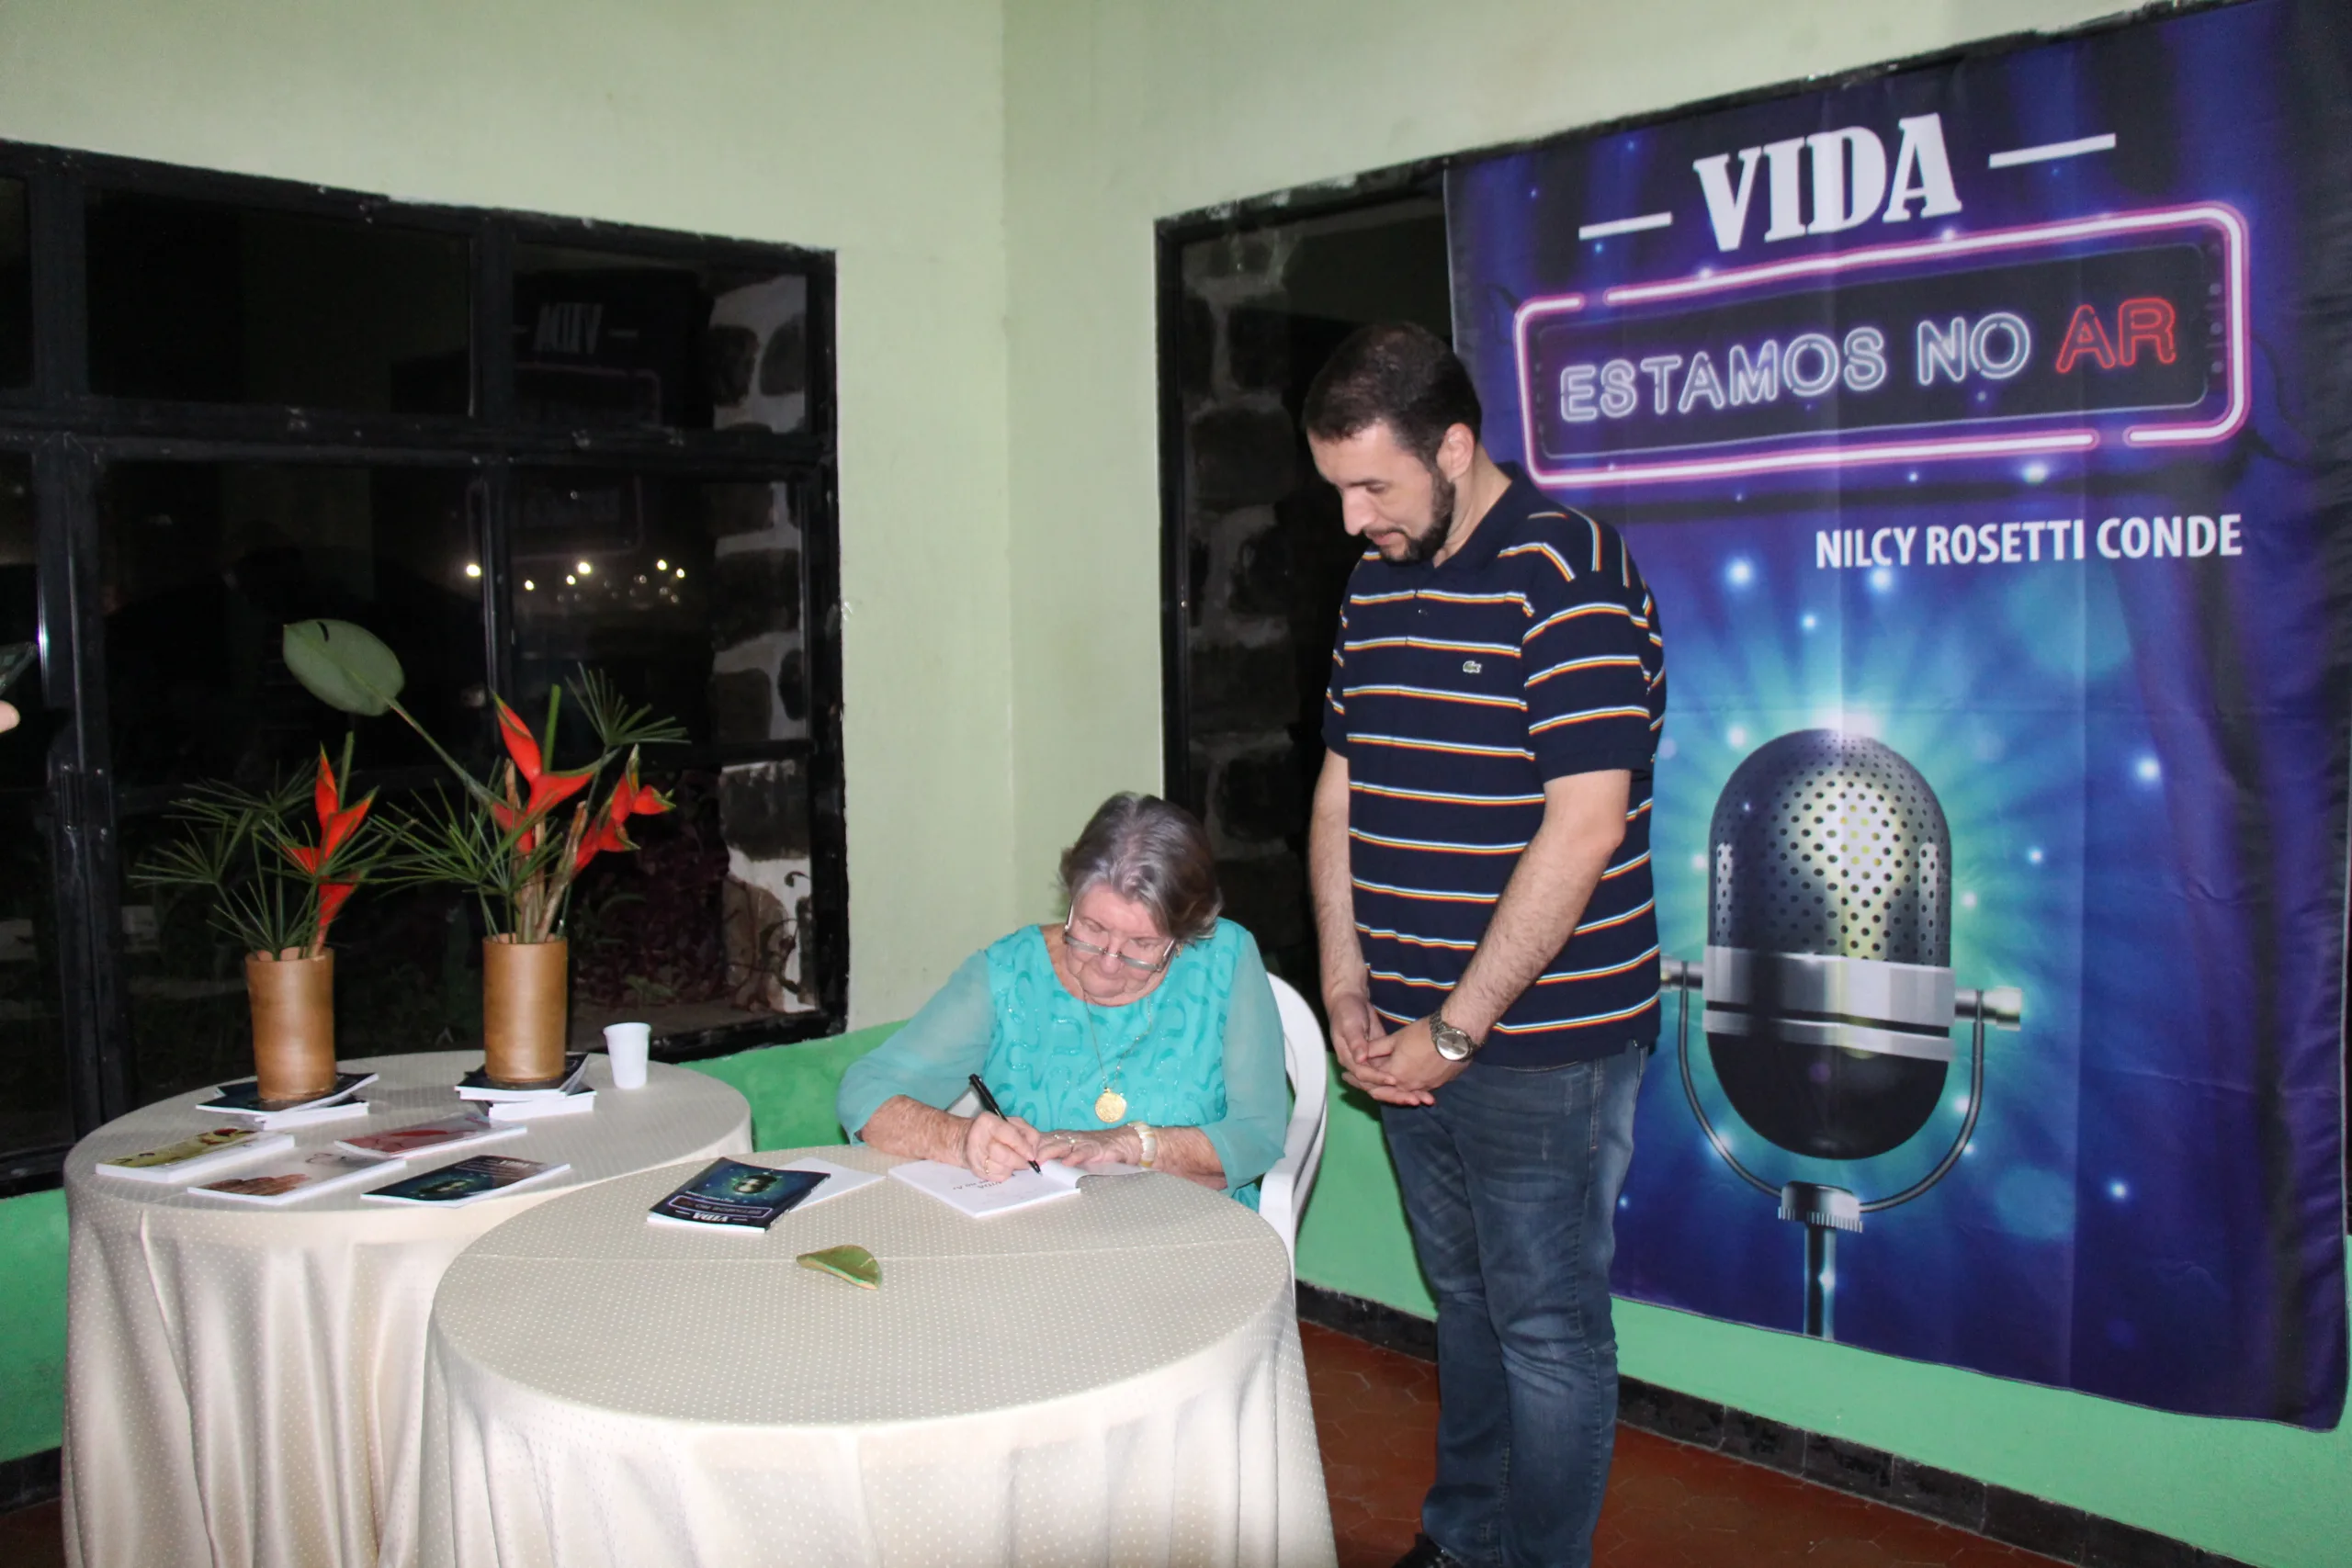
(1667, 381)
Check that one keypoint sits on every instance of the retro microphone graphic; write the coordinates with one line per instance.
(1827, 982)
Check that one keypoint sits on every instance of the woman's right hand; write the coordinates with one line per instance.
(996, 1146)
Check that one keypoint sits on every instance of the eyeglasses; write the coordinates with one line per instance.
(1140, 965)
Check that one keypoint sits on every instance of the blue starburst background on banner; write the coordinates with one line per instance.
(2143, 758)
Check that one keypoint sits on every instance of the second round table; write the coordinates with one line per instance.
(1112, 1378)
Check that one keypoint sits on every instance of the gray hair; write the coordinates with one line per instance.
(1143, 848)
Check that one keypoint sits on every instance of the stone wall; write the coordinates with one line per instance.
(1267, 557)
(1244, 465)
(758, 683)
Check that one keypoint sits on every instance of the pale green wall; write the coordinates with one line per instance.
(873, 130)
(1120, 112)
(32, 1323)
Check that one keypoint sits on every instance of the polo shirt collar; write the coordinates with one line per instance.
(1500, 525)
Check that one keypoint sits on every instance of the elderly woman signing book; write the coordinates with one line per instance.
(1140, 1031)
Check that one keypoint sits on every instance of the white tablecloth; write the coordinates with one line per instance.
(244, 1385)
(1114, 1378)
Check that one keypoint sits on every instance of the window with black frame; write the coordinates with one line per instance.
(515, 449)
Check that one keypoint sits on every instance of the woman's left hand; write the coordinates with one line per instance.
(1083, 1148)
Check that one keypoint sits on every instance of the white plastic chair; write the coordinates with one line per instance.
(1282, 1194)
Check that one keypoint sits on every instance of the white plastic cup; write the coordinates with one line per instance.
(627, 1045)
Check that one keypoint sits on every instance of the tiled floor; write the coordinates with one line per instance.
(1670, 1505)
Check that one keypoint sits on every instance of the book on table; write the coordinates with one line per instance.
(431, 1137)
(840, 1179)
(476, 1085)
(288, 1180)
(204, 1154)
(962, 1191)
(467, 1181)
(727, 1194)
(242, 1101)
(575, 1101)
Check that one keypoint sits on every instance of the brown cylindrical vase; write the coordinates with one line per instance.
(523, 1011)
(293, 1001)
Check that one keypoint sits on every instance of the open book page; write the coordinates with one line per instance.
(958, 1188)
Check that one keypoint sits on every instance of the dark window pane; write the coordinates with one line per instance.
(15, 289)
(205, 563)
(204, 302)
(602, 339)
(688, 592)
(688, 596)
(34, 1110)
(1262, 310)
(22, 750)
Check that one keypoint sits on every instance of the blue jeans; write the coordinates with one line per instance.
(1510, 1183)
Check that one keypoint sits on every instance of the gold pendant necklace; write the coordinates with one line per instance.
(1111, 1105)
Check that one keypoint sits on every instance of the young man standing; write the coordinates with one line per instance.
(1480, 857)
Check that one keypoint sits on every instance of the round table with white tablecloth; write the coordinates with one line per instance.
(244, 1385)
(1110, 1378)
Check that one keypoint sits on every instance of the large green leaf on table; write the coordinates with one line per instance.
(345, 666)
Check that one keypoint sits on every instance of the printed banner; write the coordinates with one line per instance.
(1984, 431)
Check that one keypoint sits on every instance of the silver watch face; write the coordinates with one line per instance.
(1452, 1044)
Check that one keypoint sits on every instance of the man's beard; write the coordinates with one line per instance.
(1419, 547)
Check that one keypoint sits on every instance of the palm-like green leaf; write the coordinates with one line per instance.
(229, 853)
(618, 724)
(450, 844)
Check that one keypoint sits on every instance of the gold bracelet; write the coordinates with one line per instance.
(1150, 1143)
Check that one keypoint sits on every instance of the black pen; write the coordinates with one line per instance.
(989, 1104)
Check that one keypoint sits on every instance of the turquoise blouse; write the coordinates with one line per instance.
(1203, 1049)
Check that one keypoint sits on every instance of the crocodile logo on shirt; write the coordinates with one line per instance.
(1470, 667)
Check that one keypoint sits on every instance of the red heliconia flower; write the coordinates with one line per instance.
(338, 823)
(633, 799)
(332, 897)
(605, 835)
(549, 789)
(506, 816)
(629, 799)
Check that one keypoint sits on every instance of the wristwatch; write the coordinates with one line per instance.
(1452, 1044)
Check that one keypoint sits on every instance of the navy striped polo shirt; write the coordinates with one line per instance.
(1534, 651)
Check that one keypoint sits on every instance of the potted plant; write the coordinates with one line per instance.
(276, 891)
(509, 840)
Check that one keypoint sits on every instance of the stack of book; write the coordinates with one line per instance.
(242, 1103)
(568, 1098)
